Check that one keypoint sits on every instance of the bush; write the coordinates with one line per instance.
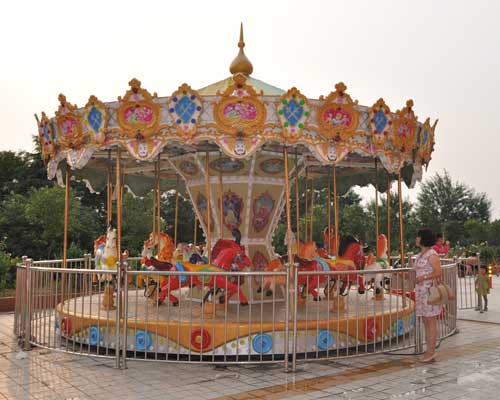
(7, 270)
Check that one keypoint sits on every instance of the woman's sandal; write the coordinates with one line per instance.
(428, 359)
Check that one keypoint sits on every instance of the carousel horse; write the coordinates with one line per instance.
(377, 263)
(162, 262)
(106, 253)
(350, 258)
(228, 255)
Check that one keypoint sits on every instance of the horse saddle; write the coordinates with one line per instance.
(160, 265)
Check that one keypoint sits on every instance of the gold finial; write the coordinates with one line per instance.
(62, 99)
(241, 64)
(409, 104)
(340, 87)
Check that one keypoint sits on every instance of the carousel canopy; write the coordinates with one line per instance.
(235, 118)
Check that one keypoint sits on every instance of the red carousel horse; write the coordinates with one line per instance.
(229, 256)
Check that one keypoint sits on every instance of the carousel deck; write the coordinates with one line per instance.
(189, 327)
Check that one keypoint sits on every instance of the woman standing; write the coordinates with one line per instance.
(428, 268)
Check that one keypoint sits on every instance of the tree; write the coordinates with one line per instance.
(444, 205)
(410, 225)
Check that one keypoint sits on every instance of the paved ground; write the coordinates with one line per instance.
(493, 314)
(468, 367)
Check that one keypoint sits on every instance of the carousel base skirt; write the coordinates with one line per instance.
(212, 332)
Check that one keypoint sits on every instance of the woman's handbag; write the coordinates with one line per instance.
(439, 293)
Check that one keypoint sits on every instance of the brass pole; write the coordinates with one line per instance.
(109, 193)
(401, 236)
(207, 190)
(329, 208)
(312, 210)
(306, 214)
(195, 233)
(288, 218)
(119, 203)
(376, 201)
(297, 202)
(158, 202)
(389, 218)
(66, 216)
(221, 211)
(336, 210)
(154, 205)
(176, 210)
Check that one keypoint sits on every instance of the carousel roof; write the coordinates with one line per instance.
(235, 118)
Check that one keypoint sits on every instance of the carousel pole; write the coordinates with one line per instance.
(221, 210)
(176, 223)
(306, 214)
(109, 193)
(158, 203)
(389, 218)
(195, 232)
(291, 286)
(207, 193)
(66, 216)
(336, 210)
(119, 204)
(297, 203)
(376, 202)
(312, 210)
(401, 236)
(329, 208)
(154, 205)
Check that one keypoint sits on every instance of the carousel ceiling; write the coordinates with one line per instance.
(237, 117)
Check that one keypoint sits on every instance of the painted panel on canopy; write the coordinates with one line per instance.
(265, 199)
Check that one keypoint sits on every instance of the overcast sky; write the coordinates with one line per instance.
(443, 54)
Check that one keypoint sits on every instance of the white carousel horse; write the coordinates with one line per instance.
(378, 263)
(106, 253)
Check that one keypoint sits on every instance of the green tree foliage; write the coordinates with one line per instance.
(444, 205)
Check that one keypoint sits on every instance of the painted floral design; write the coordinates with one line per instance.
(241, 111)
(139, 115)
(338, 117)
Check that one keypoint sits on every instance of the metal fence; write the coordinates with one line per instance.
(188, 317)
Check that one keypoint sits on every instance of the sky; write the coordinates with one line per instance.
(445, 55)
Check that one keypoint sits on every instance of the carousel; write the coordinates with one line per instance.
(241, 150)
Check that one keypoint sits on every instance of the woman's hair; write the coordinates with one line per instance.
(439, 236)
(427, 237)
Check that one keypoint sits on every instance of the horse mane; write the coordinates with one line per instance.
(345, 242)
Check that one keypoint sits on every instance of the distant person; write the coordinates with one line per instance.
(482, 289)
(428, 269)
(441, 247)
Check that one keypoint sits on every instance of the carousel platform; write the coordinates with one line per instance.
(234, 330)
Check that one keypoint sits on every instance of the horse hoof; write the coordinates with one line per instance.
(244, 304)
(175, 303)
(259, 290)
(221, 300)
(269, 293)
(317, 298)
(361, 291)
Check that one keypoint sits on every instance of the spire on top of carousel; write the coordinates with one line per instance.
(241, 64)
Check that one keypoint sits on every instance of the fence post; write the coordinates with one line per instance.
(27, 308)
(287, 314)
(118, 315)
(124, 268)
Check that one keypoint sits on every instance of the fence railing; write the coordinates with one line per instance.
(192, 317)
